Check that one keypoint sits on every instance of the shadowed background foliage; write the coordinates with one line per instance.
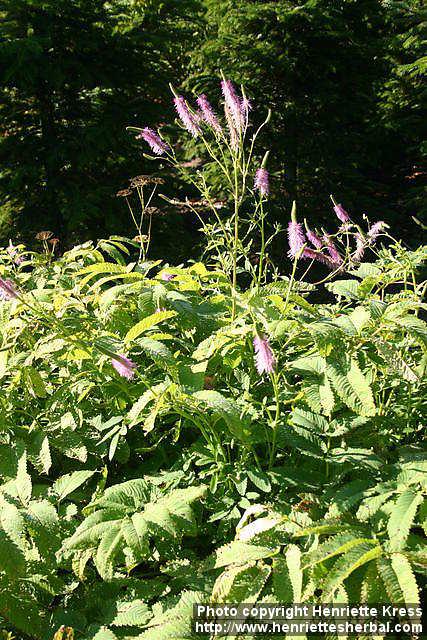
(343, 79)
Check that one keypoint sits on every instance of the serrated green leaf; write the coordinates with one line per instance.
(337, 545)
(23, 480)
(352, 386)
(240, 583)
(148, 322)
(224, 407)
(45, 457)
(70, 482)
(398, 579)
(35, 382)
(349, 562)
(402, 517)
(134, 613)
(260, 480)
(237, 553)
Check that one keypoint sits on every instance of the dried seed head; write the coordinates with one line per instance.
(123, 193)
(151, 211)
(141, 181)
(44, 235)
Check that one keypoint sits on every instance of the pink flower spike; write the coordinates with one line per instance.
(14, 253)
(262, 181)
(7, 290)
(265, 361)
(208, 114)
(124, 366)
(360, 248)
(245, 106)
(232, 101)
(314, 239)
(375, 230)
(296, 238)
(234, 141)
(154, 140)
(187, 118)
(310, 254)
(341, 213)
(167, 277)
(332, 250)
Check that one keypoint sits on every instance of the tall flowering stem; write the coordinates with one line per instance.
(296, 241)
(262, 185)
(226, 143)
(236, 237)
(275, 383)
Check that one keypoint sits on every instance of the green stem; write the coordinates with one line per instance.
(274, 381)
(262, 249)
(291, 281)
(235, 240)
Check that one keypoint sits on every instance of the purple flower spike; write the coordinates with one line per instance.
(310, 254)
(232, 101)
(234, 140)
(7, 290)
(296, 238)
(167, 277)
(154, 140)
(124, 366)
(187, 118)
(332, 250)
(341, 213)
(261, 181)
(265, 361)
(314, 239)
(375, 230)
(360, 248)
(14, 253)
(245, 106)
(208, 114)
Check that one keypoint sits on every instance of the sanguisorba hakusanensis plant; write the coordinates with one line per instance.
(230, 142)
(169, 437)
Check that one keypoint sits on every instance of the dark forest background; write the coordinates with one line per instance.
(344, 79)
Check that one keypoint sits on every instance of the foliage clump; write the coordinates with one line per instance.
(213, 431)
